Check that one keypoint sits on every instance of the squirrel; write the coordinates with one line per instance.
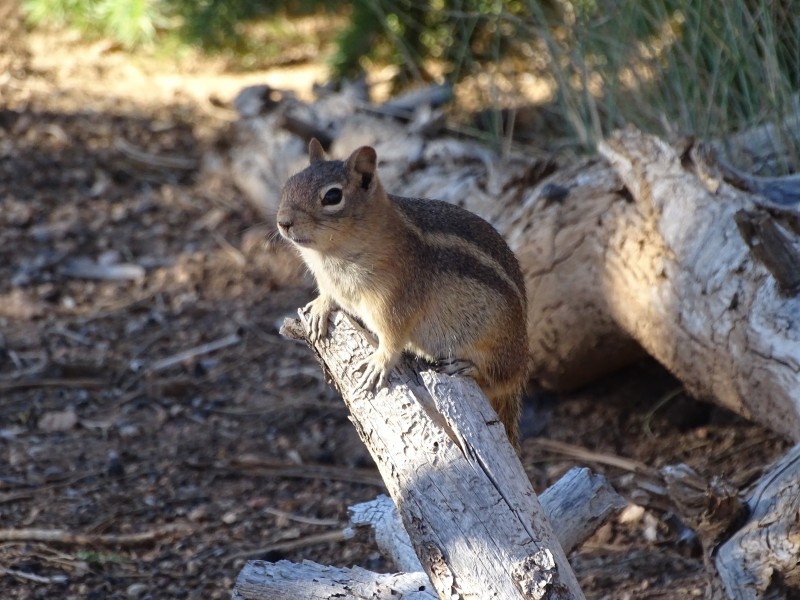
(425, 276)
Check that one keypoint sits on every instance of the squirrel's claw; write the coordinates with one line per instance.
(455, 366)
(319, 310)
(376, 372)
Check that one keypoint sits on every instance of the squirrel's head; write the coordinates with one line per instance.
(323, 204)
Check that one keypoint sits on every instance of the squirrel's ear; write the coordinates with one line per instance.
(315, 151)
(363, 162)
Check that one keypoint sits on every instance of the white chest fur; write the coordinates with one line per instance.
(349, 284)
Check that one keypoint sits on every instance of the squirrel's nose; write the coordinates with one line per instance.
(285, 224)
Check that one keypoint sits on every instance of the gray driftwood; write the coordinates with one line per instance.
(680, 279)
(576, 505)
(762, 559)
(465, 500)
(308, 580)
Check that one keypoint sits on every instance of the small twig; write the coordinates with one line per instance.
(175, 359)
(301, 519)
(663, 401)
(8, 386)
(85, 268)
(37, 367)
(309, 540)
(584, 454)
(62, 536)
(33, 577)
(72, 335)
(230, 249)
(154, 160)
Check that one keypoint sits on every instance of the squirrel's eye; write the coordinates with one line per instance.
(332, 196)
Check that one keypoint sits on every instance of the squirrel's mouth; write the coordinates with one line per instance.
(297, 241)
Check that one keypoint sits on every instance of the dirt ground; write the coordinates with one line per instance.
(159, 412)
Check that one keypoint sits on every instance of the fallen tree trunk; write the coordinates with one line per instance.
(639, 252)
(679, 278)
(285, 580)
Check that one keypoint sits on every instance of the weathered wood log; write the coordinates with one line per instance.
(285, 580)
(465, 500)
(762, 559)
(576, 505)
(621, 256)
(682, 282)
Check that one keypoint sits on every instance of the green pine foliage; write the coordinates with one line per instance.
(696, 66)
(132, 23)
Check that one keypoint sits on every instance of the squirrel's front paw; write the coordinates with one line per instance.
(319, 310)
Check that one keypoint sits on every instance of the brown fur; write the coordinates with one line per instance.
(425, 276)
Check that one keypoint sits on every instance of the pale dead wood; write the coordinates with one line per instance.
(463, 495)
(289, 581)
(576, 505)
(190, 353)
(86, 268)
(381, 516)
(762, 559)
(681, 281)
(62, 536)
(636, 253)
(25, 576)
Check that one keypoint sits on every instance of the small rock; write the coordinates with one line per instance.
(58, 420)
(632, 513)
(198, 514)
(136, 590)
(114, 466)
(127, 430)
(193, 568)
